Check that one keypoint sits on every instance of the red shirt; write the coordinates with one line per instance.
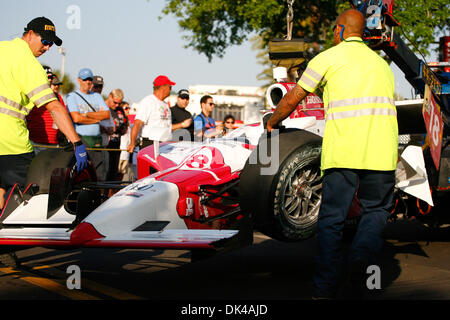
(40, 125)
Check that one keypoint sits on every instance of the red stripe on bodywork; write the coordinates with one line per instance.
(147, 244)
(35, 242)
(85, 232)
(9, 197)
(106, 244)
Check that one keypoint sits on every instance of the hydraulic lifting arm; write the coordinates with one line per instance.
(380, 25)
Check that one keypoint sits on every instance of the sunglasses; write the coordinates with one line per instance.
(126, 108)
(212, 104)
(232, 122)
(46, 42)
(87, 79)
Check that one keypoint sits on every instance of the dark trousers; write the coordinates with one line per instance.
(14, 169)
(375, 192)
(114, 157)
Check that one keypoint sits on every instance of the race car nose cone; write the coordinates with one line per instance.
(83, 233)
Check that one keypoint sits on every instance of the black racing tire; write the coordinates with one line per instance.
(284, 205)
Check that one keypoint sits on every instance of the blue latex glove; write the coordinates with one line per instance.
(81, 156)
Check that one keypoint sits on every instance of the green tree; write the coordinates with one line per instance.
(214, 25)
(262, 58)
(422, 22)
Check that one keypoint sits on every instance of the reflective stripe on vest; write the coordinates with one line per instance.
(333, 114)
(361, 112)
(38, 90)
(357, 101)
(11, 103)
(12, 113)
(316, 78)
(45, 98)
(18, 107)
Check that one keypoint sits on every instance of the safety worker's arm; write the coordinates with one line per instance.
(98, 115)
(182, 125)
(62, 119)
(134, 132)
(82, 119)
(286, 106)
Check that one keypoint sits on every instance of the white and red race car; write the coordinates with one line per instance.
(189, 195)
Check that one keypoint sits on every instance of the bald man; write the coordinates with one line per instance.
(359, 150)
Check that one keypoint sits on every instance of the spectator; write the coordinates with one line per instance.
(42, 130)
(97, 84)
(87, 109)
(228, 124)
(49, 71)
(153, 115)
(181, 118)
(204, 125)
(55, 85)
(124, 162)
(120, 122)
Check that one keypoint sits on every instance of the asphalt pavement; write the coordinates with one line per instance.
(415, 264)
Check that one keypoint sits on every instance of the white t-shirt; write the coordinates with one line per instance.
(157, 118)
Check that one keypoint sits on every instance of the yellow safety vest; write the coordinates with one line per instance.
(23, 85)
(361, 129)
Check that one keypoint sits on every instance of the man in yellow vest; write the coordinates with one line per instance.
(359, 150)
(23, 86)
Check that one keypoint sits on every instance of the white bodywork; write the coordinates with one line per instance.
(411, 175)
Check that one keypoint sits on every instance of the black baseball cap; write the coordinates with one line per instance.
(183, 93)
(55, 81)
(97, 81)
(45, 28)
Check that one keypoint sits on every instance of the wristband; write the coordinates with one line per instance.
(78, 143)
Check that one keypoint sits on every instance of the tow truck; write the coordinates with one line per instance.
(425, 125)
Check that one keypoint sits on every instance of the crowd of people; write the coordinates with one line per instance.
(108, 130)
(100, 127)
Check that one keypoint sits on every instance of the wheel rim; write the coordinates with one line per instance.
(302, 194)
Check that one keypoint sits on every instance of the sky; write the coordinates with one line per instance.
(127, 44)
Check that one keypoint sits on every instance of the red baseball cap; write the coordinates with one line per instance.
(162, 80)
